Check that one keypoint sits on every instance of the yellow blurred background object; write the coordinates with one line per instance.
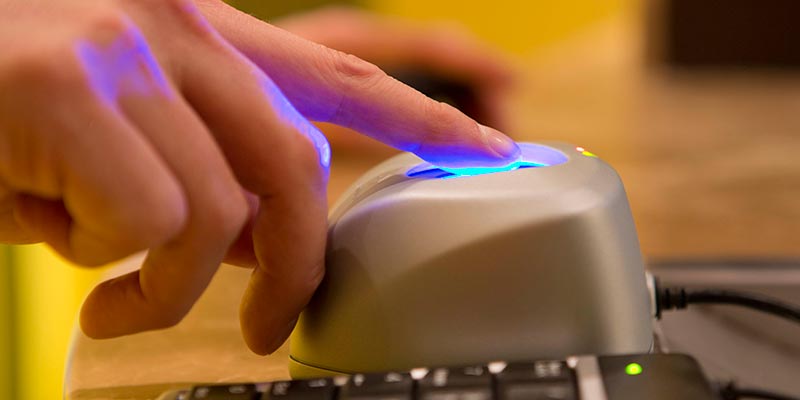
(41, 293)
(6, 336)
(516, 26)
(47, 292)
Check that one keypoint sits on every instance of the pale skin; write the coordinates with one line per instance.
(183, 128)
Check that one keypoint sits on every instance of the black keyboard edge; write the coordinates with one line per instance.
(617, 377)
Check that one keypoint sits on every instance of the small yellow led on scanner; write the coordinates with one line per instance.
(586, 152)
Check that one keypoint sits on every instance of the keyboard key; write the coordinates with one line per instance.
(312, 389)
(468, 383)
(538, 391)
(539, 370)
(541, 380)
(389, 386)
(224, 392)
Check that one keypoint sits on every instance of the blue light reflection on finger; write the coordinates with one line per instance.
(532, 156)
(124, 66)
(289, 113)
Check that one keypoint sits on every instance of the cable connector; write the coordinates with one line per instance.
(678, 298)
(670, 299)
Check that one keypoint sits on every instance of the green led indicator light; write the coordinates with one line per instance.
(633, 369)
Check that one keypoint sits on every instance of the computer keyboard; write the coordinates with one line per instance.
(627, 377)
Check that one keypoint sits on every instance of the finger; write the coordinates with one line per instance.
(241, 253)
(279, 156)
(46, 220)
(175, 274)
(443, 51)
(330, 86)
(290, 244)
(11, 230)
(121, 199)
(391, 42)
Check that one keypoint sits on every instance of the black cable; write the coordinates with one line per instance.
(680, 298)
(731, 392)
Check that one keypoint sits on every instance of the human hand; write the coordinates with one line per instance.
(159, 125)
(443, 52)
(439, 49)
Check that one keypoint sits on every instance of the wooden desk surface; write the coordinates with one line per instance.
(711, 163)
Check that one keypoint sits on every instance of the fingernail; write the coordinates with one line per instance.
(501, 144)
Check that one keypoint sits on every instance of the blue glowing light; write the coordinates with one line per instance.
(532, 156)
(289, 113)
(490, 170)
(125, 65)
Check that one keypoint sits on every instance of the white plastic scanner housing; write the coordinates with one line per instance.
(426, 270)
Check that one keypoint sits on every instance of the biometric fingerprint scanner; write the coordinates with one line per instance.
(532, 156)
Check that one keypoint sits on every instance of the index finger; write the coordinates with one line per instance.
(390, 41)
(330, 86)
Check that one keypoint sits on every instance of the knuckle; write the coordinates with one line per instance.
(446, 122)
(351, 72)
(46, 69)
(349, 66)
(184, 14)
(305, 154)
(64, 63)
(167, 218)
(227, 214)
(158, 214)
(22, 70)
(298, 160)
(107, 24)
(348, 74)
(93, 249)
(441, 114)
